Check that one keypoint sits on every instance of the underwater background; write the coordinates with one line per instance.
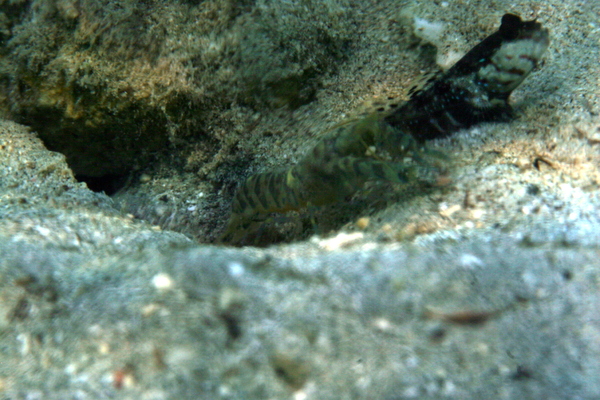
(127, 127)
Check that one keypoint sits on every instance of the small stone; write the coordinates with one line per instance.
(362, 223)
(447, 212)
(145, 178)
(341, 240)
(162, 282)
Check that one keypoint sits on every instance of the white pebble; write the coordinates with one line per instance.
(162, 282)
(236, 269)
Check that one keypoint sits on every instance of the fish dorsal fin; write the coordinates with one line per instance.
(424, 82)
(392, 100)
(380, 105)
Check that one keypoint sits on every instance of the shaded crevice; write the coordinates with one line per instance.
(109, 184)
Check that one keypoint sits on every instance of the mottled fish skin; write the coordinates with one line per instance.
(474, 90)
(477, 87)
(335, 168)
